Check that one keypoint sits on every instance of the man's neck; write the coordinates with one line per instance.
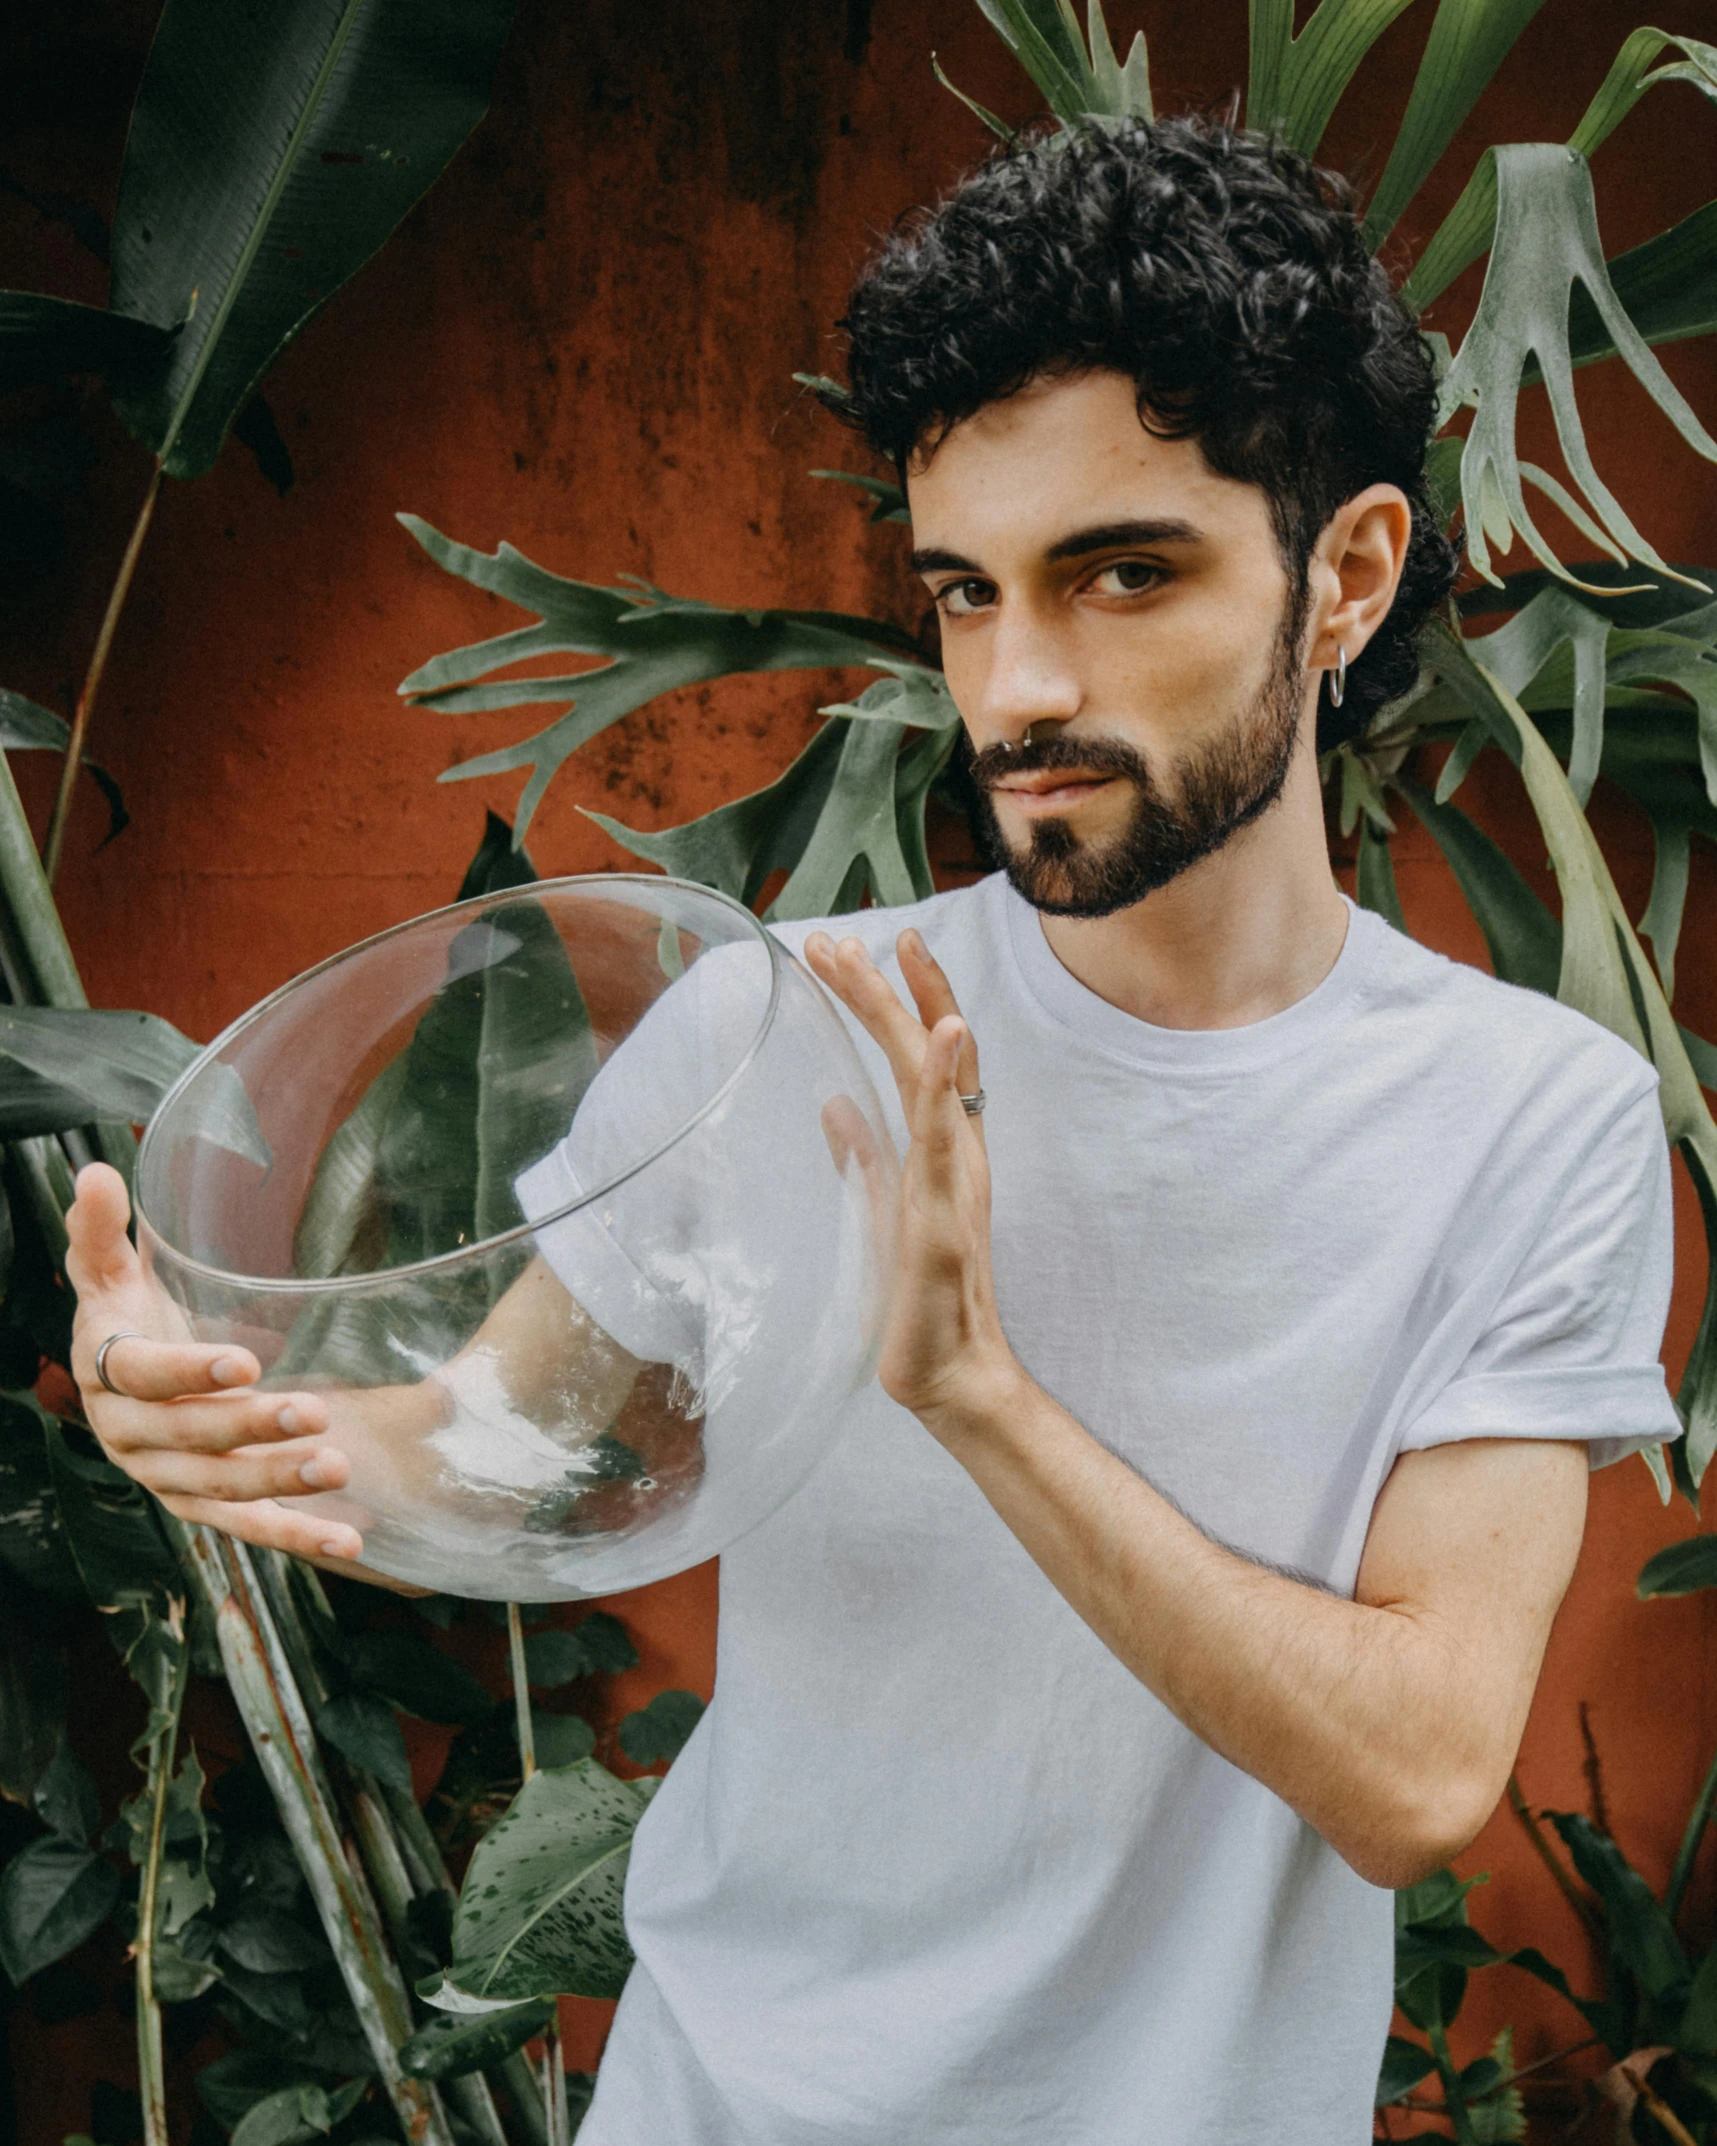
(1233, 940)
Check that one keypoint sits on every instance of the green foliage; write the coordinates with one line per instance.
(540, 1909)
(452, 2045)
(657, 1733)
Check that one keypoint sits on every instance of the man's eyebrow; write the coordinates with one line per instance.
(1107, 535)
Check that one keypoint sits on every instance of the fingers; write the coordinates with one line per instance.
(940, 1122)
(196, 1425)
(935, 1000)
(294, 1470)
(272, 1527)
(101, 1254)
(145, 1370)
(851, 1139)
(856, 981)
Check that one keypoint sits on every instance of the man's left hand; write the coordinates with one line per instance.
(944, 1351)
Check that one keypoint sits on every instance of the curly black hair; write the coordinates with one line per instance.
(1226, 275)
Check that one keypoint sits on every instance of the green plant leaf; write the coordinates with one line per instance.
(418, 1678)
(888, 501)
(46, 338)
(540, 1911)
(1043, 35)
(1374, 877)
(657, 1733)
(32, 1691)
(366, 1730)
(66, 1800)
(654, 643)
(1123, 87)
(1404, 2065)
(33, 1542)
(26, 726)
(271, 151)
(1293, 84)
(561, 1739)
(113, 1525)
(53, 1894)
(1639, 1932)
(1546, 242)
(452, 2048)
(830, 822)
(1667, 288)
(500, 862)
(1681, 1569)
(267, 1942)
(1524, 939)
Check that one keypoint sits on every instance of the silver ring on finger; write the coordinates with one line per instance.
(125, 1333)
(972, 1105)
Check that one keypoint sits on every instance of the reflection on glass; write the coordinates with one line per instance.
(573, 1201)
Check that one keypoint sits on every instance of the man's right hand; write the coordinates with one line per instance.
(186, 1422)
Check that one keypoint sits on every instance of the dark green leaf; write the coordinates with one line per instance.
(451, 2047)
(888, 500)
(418, 1677)
(659, 1731)
(1667, 288)
(277, 2000)
(607, 1646)
(1047, 45)
(540, 1910)
(53, 1894)
(112, 1524)
(270, 1943)
(1375, 877)
(255, 428)
(654, 642)
(561, 1739)
(271, 151)
(65, 1798)
(499, 862)
(278, 2120)
(1294, 83)
(555, 1657)
(33, 1542)
(1524, 939)
(32, 1690)
(1404, 2065)
(1640, 1934)
(46, 338)
(366, 1730)
(119, 1065)
(1681, 1569)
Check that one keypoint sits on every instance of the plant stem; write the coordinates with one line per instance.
(1681, 1876)
(521, 1692)
(92, 679)
(281, 1735)
(1450, 2079)
(151, 2073)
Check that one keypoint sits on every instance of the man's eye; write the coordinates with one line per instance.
(1127, 577)
(961, 598)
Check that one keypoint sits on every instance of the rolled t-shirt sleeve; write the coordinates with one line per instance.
(1571, 1348)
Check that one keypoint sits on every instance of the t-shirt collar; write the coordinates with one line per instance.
(1069, 1003)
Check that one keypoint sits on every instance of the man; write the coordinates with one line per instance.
(1263, 1328)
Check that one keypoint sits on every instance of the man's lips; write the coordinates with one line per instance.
(1051, 792)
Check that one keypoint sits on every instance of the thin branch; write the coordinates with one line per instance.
(1593, 1769)
(151, 2071)
(92, 680)
(1657, 2108)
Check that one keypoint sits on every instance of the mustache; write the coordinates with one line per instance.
(1096, 756)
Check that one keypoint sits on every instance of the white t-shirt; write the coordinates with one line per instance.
(935, 1868)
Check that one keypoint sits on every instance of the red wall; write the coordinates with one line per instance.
(583, 341)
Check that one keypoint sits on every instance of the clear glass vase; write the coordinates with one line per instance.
(573, 1202)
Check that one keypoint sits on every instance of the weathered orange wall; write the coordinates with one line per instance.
(582, 341)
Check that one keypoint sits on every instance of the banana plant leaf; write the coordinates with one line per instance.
(540, 1911)
(1293, 84)
(654, 643)
(45, 338)
(72, 1064)
(271, 152)
(1546, 242)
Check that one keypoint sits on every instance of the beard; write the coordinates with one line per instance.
(1223, 786)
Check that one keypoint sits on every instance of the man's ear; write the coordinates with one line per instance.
(1361, 553)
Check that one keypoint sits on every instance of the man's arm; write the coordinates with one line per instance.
(1389, 1722)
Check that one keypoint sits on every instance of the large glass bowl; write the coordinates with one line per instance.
(573, 1202)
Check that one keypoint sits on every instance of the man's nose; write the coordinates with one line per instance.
(1029, 687)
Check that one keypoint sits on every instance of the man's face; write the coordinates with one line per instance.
(1106, 590)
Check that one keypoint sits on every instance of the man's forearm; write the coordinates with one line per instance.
(1362, 1717)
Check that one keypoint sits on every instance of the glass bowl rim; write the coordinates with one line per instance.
(385, 1277)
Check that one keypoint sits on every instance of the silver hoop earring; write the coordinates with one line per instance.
(1338, 684)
